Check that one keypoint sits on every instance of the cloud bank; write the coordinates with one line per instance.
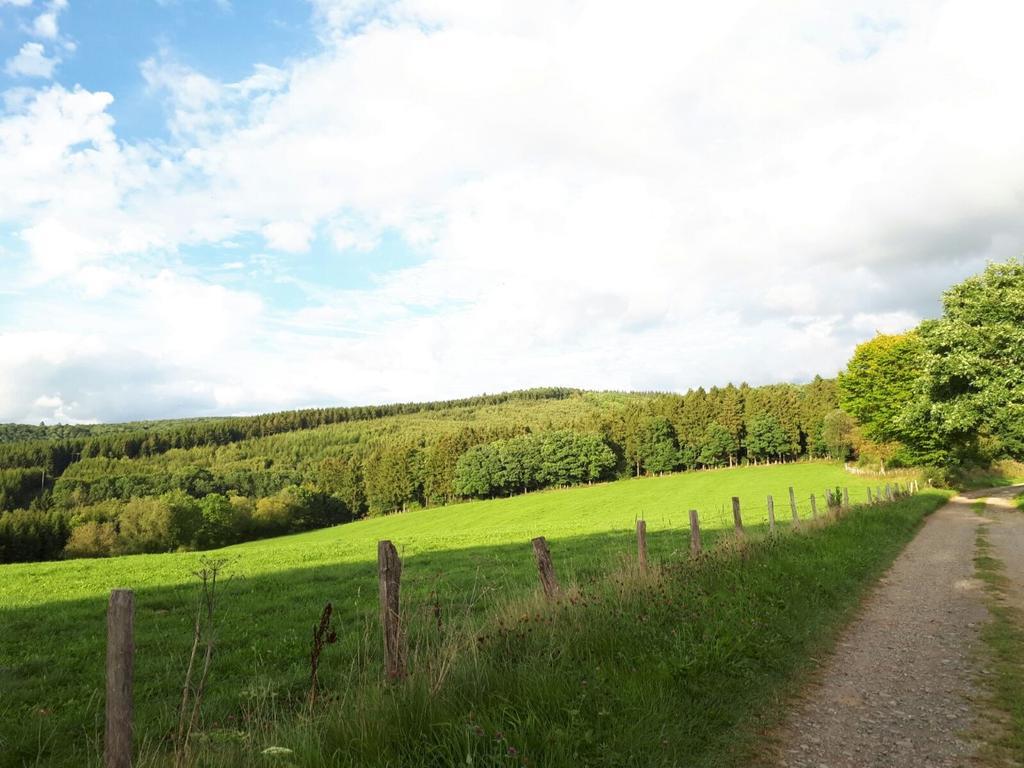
(677, 196)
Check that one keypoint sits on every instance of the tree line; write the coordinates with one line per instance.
(496, 446)
(56, 447)
(948, 394)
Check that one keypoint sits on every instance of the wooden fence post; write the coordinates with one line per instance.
(771, 514)
(878, 494)
(869, 496)
(814, 508)
(117, 742)
(846, 498)
(695, 547)
(792, 506)
(737, 520)
(548, 579)
(641, 544)
(389, 575)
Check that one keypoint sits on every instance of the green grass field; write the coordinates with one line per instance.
(470, 559)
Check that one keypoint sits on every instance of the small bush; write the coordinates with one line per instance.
(92, 539)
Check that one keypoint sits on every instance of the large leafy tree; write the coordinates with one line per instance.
(974, 371)
(718, 445)
(881, 381)
(766, 438)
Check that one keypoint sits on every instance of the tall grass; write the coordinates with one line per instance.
(1003, 637)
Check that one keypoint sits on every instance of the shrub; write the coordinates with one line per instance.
(92, 539)
(144, 525)
(218, 526)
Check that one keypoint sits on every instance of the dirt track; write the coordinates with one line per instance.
(897, 691)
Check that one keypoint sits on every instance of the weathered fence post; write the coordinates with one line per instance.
(878, 494)
(814, 508)
(737, 519)
(869, 497)
(641, 544)
(846, 499)
(695, 547)
(792, 506)
(548, 579)
(389, 574)
(771, 514)
(117, 742)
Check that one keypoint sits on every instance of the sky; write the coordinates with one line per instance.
(225, 207)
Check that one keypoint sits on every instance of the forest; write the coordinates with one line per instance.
(945, 395)
(126, 491)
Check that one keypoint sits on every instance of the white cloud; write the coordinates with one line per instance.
(675, 196)
(31, 61)
(288, 236)
(45, 25)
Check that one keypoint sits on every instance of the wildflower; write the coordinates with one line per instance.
(512, 751)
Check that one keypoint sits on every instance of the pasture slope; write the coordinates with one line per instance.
(464, 562)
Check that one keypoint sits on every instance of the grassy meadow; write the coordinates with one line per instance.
(463, 565)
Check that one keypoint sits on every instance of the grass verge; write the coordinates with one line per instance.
(686, 665)
(1003, 637)
(1000, 473)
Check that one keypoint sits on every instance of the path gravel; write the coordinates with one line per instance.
(895, 694)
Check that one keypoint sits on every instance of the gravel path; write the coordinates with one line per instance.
(895, 692)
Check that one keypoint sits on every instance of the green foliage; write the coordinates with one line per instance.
(19, 486)
(658, 449)
(92, 539)
(837, 434)
(145, 525)
(766, 438)
(218, 526)
(27, 535)
(975, 363)
(818, 401)
(881, 381)
(391, 477)
(947, 394)
(718, 445)
(522, 463)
